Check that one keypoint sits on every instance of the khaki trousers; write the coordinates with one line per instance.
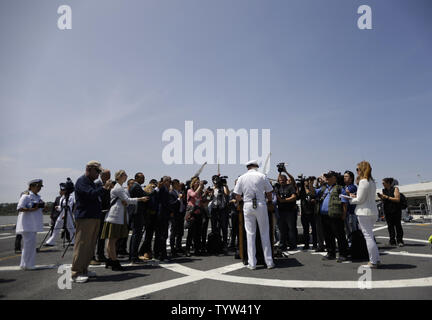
(86, 236)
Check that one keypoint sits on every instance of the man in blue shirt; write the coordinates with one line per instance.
(349, 215)
(87, 215)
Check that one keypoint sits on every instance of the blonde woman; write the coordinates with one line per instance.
(194, 216)
(366, 210)
(115, 226)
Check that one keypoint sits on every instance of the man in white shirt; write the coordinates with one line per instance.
(253, 185)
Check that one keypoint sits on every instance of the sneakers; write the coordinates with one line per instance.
(94, 262)
(272, 266)
(251, 267)
(371, 265)
(80, 279)
(401, 244)
(329, 257)
(342, 259)
(91, 274)
(28, 268)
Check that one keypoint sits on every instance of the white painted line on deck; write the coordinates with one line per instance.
(405, 239)
(405, 253)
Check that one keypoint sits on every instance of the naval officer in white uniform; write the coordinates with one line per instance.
(30, 221)
(253, 185)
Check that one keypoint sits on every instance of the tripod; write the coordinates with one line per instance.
(65, 234)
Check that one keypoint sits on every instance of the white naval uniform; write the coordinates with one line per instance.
(59, 222)
(255, 184)
(28, 224)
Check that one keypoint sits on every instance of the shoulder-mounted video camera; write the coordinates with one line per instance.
(281, 167)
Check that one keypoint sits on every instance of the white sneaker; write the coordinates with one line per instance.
(28, 268)
(80, 279)
(251, 267)
(271, 266)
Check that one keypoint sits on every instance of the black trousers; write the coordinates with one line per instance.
(18, 240)
(161, 235)
(150, 223)
(100, 247)
(176, 231)
(288, 229)
(219, 223)
(234, 228)
(334, 228)
(195, 233)
(204, 227)
(137, 234)
(308, 220)
(394, 226)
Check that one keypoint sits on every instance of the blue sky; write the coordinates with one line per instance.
(331, 94)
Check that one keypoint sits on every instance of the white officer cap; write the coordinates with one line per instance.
(252, 163)
(35, 181)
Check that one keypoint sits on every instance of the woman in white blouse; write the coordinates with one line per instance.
(366, 210)
(115, 226)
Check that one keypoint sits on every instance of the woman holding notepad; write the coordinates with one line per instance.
(366, 210)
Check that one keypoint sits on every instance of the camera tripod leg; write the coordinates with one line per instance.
(50, 232)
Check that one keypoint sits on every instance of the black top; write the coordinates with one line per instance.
(284, 192)
(137, 192)
(390, 206)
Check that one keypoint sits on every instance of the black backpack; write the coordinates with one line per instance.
(214, 243)
(403, 201)
(359, 249)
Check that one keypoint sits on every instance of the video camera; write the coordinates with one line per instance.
(220, 181)
(281, 167)
(68, 186)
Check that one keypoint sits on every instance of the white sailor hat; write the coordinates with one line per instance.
(252, 163)
(35, 181)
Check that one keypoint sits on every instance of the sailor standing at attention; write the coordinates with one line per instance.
(253, 185)
(30, 221)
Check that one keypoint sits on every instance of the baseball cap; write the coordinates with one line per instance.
(95, 164)
(330, 174)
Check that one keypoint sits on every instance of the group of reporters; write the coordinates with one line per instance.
(106, 211)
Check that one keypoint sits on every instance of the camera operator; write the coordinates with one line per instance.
(218, 207)
(234, 215)
(65, 208)
(87, 216)
(308, 202)
(30, 221)
(286, 194)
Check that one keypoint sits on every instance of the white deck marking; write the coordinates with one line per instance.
(405, 239)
